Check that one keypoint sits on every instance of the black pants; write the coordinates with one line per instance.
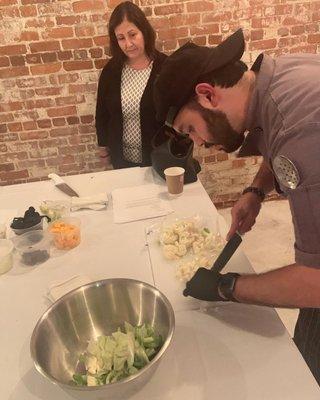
(307, 338)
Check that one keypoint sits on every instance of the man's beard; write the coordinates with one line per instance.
(219, 128)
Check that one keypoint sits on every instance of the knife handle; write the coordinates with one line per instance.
(56, 178)
(227, 252)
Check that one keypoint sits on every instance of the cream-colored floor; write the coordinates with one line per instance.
(269, 245)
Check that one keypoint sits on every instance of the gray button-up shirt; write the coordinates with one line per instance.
(284, 120)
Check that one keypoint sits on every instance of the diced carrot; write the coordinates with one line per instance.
(67, 236)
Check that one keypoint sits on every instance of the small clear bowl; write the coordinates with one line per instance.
(38, 226)
(33, 247)
(6, 248)
(55, 209)
(66, 233)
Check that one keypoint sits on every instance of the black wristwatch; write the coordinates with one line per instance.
(226, 286)
(259, 192)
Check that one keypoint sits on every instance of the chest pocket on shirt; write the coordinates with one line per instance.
(305, 208)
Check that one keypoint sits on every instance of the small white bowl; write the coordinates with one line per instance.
(6, 248)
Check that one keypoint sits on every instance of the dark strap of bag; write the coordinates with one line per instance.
(174, 151)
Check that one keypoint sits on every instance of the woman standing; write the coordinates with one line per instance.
(125, 114)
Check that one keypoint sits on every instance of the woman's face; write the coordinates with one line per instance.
(130, 39)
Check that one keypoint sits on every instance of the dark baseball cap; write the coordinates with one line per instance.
(183, 69)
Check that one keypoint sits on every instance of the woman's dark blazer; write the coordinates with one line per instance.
(109, 124)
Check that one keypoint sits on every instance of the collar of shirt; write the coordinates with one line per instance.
(264, 67)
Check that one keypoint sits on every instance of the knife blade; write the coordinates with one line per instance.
(227, 252)
(61, 185)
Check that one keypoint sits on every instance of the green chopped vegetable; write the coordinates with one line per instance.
(80, 380)
(207, 230)
(112, 358)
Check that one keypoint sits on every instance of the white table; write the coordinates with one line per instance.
(231, 351)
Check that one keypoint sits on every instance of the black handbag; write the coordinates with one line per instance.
(175, 151)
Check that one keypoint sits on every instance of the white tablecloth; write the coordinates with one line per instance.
(230, 351)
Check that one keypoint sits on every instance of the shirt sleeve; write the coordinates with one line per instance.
(304, 204)
(102, 114)
(301, 147)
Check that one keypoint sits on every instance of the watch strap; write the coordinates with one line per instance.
(259, 192)
(226, 286)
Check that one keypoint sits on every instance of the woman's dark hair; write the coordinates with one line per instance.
(135, 15)
(227, 76)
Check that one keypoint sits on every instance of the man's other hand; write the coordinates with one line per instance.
(244, 214)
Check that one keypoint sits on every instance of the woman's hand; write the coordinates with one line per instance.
(104, 156)
(244, 214)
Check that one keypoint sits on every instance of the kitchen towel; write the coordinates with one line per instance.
(94, 202)
(59, 289)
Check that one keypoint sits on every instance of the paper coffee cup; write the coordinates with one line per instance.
(175, 179)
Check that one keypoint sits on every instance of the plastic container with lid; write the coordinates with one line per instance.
(33, 247)
(55, 209)
(31, 220)
(6, 248)
(66, 233)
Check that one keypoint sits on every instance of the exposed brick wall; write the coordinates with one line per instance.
(51, 54)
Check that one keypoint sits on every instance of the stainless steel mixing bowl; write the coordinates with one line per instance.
(99, 308)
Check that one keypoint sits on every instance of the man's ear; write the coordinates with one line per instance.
(207, 95)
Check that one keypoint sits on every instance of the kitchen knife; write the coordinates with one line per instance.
(60, 184)
(227, 252)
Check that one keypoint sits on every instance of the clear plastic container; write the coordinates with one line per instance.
(66, 233)
(6, 248)
(33, 247)
(31, 220)
(38, 226)
(55, 209)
